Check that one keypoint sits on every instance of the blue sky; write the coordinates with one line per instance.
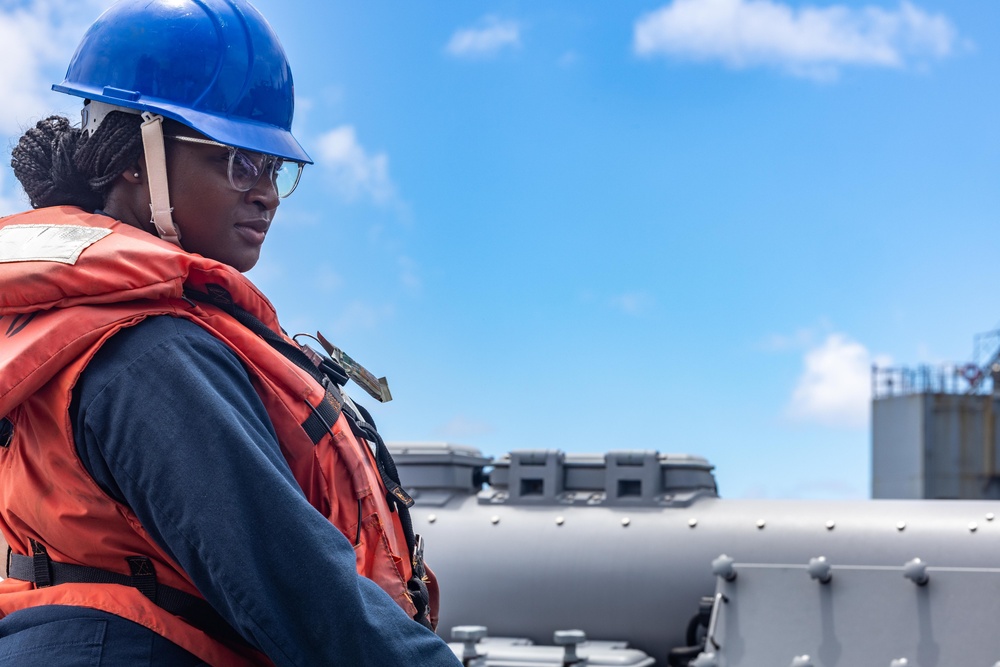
(688, 226)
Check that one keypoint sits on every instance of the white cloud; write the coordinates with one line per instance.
(354, 172)
(37, 40)
(800, 339)
(327, 279)
(821, 488)
(409, 274)
(632, 303)
(461, 427)
(805, 41)
(568, 59)
(835, 386)
(361, 316)
(780, 342)
(492, 35)
(10, 202)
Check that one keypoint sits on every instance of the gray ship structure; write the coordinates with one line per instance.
(631, 557)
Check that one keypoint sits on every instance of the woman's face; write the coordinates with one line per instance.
(215, 219)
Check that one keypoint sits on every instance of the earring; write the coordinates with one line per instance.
(135, 175)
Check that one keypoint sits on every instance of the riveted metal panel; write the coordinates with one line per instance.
(772, 614)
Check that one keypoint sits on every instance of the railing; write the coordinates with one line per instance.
(986, 348)
(940, 379)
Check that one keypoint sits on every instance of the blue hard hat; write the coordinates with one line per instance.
(213, 65)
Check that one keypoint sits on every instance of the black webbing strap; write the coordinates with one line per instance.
(6, 432)
(401, 501)
(364, 429)
(43, 572)
(219, 297)
(323, 417)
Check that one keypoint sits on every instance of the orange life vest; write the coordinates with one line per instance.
(54, 315)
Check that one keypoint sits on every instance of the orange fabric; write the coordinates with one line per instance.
(59, 319)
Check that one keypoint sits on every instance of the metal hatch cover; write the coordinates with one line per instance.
(839, 616)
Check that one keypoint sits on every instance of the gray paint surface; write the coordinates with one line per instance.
(935, 446)
(637, 573)
(863, 616)
(898, 445)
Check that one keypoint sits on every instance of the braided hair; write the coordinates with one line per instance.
(59, 165)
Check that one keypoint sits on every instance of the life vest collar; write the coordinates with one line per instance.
(116, 263)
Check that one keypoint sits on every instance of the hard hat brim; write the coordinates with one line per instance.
(259, 137)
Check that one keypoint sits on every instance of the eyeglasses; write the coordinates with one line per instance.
(246, 167)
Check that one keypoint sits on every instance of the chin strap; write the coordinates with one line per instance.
(156, 171)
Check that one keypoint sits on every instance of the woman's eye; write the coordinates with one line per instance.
(243, 166)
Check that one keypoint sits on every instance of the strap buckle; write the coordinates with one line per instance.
(419, 570)
(143, 575)
(41, 565)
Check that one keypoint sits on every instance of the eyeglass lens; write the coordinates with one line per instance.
(246, 167)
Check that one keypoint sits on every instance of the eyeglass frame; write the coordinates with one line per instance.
(273, 159)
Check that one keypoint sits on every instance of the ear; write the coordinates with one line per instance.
(136, 174)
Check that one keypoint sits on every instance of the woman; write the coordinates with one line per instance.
(179, 483)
